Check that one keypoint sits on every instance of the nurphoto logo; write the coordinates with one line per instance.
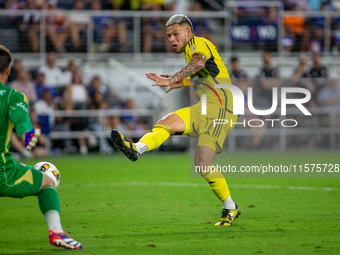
(238, 105)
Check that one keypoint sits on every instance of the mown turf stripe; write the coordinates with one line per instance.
(193, 185)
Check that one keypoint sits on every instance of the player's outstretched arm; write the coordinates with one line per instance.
(197, 63)
(175, 85)
(19, 115)
(175, 81)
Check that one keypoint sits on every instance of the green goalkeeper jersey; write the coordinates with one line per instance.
(13, 113)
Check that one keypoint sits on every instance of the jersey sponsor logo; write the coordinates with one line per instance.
(2, 92)
(21, 104)
(193, 48)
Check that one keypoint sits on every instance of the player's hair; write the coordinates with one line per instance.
(5, 59)
(179, 19)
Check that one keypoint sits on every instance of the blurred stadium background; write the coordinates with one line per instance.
(82, 65)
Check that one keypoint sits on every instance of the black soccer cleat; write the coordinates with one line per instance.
(124, 145)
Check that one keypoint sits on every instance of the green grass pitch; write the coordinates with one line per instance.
(152, 206)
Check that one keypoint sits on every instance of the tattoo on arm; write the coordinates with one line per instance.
(197, 63)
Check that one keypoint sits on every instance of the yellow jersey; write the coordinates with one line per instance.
(214, 72)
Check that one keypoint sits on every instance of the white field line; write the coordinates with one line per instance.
(189, 185)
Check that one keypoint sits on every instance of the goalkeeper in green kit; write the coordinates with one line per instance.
(19, 180)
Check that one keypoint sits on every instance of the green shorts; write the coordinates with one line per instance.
(19, 180)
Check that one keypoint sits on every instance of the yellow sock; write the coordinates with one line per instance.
(156, 137)
(217, 183)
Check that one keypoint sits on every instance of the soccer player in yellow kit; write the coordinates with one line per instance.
(205, 68)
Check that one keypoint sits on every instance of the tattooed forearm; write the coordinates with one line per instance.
(197, 63)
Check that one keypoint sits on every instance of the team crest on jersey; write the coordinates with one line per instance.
(193, 48)
(2, 92)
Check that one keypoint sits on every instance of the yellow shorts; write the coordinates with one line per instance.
(212, 128)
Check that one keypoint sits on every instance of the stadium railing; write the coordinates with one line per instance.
(310, 132)
(13, 32)
(231, 31)
(99, 115)
(321, 130)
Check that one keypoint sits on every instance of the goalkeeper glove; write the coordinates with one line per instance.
(30, 138)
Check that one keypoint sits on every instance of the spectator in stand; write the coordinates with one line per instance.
(96, 85)
(295, 28)
(319, 73)
(12, 6)
(40, 86)
(79, 22)
(313, 37)
(236, 71)
(55, 26)
(130, 120)
(201, 25)
(249, 13)
(106, 30)
(59, 28)
(153, 27)
(126, 23)
(16, 67)
(78, 92)
(133, 122)
(53, 74)
(315, 4)
(71, 70)
(239, 77)
(301, 76)
(75, 123)
(336, 36)
(288, 41)
(301, 5)
(177, 6)
(45, 107)
(301, 71)
(330, 95)
(126, 5)
(115, 123)
(270, 16)
(24, 85)
(335, 5)
(98, 103)
(31, 22)
(269, 78)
